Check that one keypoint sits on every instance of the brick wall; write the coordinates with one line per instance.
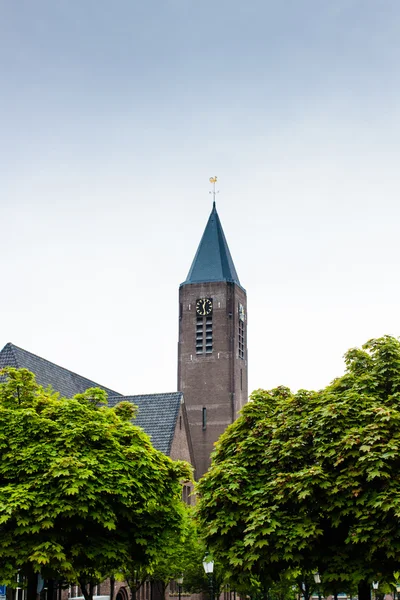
(217, 381)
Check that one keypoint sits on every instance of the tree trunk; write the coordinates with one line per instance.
(87, 589)
(50, 589)
(364, 591)
(31, 591)
(163, 589)
(112, 587)
(265, 591)
(132, 586)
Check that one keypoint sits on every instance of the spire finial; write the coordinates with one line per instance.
(213, 180)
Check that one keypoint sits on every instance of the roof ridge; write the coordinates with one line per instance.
(150, 394)
(53, 364)
(224, 251)
(172, 432)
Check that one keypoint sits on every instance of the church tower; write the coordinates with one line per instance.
(212, 349)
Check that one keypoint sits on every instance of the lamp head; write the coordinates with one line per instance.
(208, 565)
(317, 578)
(375, 585)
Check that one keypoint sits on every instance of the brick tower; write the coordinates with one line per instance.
(212, 349)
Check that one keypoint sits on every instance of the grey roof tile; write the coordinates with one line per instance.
(47, 373)
(157, 415)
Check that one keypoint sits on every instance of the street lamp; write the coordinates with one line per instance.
(317, 580)
(375, 585)
(179, 582)
(208, 565)
(397, 588)
(135, 580)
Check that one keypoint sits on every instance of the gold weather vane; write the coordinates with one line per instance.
(213, 180)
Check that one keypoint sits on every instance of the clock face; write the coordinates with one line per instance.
(204, 307)
(241, 312)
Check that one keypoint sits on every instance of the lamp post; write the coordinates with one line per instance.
(208, 565)
(375, 585)
(397, 588)
(134, 585)
(179, 581)
(317, 580)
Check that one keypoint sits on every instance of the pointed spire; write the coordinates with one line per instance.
(213, 261)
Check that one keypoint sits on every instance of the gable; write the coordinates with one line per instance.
(181, 447)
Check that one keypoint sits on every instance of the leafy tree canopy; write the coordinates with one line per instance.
(82, 490)
(311, 480)
(182, 556)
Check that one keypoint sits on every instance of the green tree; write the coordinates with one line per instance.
(179, 552)
(82, 490)
(312, 479)
(182, 555)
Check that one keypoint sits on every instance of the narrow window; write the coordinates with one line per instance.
(186, 494)
(241, 379)
(204, 418)
(180, 416)
(199, 335)
(209, 335)
(241, 339)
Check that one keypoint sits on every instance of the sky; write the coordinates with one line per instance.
(113, 117)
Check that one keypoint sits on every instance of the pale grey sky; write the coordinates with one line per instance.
(113, 116)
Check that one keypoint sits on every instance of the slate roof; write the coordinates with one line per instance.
(157, 415)
(47, 373)
(213, 260)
